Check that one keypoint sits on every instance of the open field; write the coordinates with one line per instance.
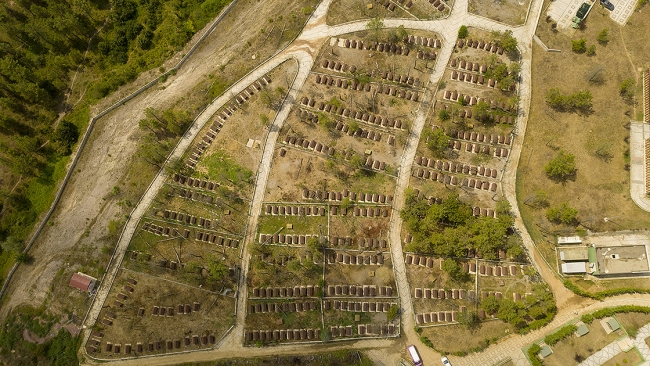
(511, 12)
(457, 338)
(631, 357)
(601, 185)
(342, 11)
(598, 139)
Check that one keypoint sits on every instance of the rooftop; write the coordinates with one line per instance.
(574, 254)
(574, 267)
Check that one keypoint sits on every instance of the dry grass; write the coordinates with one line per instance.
(629, 358)
(584, 346)
(601, 185)
(456, 338)
(342, 274)
(511, 12)
(342, 11)
(633, 321)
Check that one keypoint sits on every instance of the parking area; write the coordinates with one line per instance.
(622, 10)
(563, 11)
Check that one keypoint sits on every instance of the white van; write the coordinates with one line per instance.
(415, 356)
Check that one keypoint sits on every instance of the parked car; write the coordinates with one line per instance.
(609, 6)
(445, 361)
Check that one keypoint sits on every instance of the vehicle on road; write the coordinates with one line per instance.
(415, 356)
(608, 5)
(445, 361)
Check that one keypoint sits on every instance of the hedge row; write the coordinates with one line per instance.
(603, 294)
(564, 332)
(532, 354)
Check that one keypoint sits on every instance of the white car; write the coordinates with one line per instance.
(445, 361)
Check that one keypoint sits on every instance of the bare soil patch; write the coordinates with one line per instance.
(343, 11)
(631, 357)
(303, 169)
(632, 322)
(512, 12)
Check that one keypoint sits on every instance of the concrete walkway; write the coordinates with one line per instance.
(603, 355)
(639, 132)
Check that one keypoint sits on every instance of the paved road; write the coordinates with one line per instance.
(304, 50)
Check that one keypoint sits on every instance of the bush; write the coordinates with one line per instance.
(561, 167)
(591, 51)
(603, 36)
(579, 45)
(563, 213)
(463, 32)
(532, 354)
(627, 90)
(587, 318)
(564, 332)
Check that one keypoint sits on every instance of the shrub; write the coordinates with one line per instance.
(562, 214)
(627, 90)
(463, 32)
(564, 332)
(603, 36)
(532, 354)
(561, 167)
(579, 45)
(591, 51)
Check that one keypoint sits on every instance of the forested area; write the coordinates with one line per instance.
(42, 44)
(449, 229)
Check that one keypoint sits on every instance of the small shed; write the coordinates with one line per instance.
(613, 324)
(582, 330)
(545, 351)
(83, 282)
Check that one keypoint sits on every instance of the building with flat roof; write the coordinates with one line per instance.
(574, 267)
(569, 240)
(83, 282)
(574, 254)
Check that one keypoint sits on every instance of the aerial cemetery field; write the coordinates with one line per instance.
(321, 266)
(463, 262)
(177, 287)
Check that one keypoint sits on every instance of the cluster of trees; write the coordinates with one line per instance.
(449, 229)
(505, 75)
(580, 101)
(534, 310)
(60, 350)
(42, 43)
